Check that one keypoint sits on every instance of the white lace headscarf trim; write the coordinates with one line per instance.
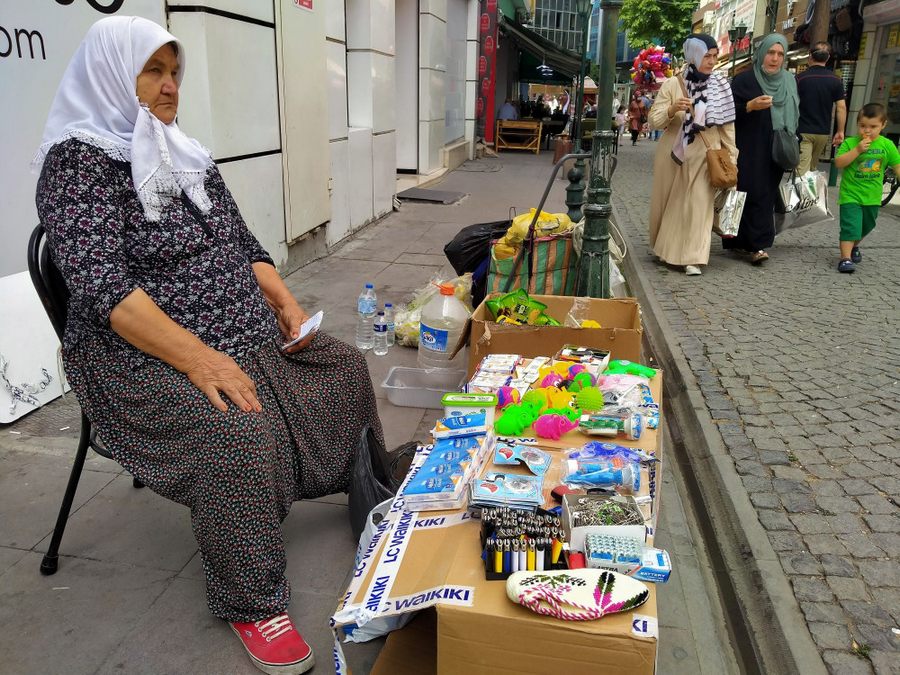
(97, 103)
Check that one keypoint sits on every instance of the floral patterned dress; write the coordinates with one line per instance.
(237, 472)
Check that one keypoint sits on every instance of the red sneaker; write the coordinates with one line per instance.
(275, 646)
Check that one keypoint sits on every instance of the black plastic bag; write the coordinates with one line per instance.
(471, 245)
(376, 476)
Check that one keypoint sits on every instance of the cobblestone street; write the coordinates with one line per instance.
(798, 367)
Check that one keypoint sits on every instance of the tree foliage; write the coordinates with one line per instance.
(664, 22)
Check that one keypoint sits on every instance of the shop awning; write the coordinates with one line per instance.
(564, 63)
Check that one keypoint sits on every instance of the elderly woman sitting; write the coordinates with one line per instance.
(176, 320)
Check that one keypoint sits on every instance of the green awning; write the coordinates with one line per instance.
(565, 64)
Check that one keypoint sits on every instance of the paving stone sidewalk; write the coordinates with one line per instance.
(799, 367)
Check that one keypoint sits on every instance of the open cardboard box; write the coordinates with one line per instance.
(620, 333)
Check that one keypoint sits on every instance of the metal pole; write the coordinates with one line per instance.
(575, 176)
(593, 268)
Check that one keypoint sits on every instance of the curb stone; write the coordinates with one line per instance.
(777, 629)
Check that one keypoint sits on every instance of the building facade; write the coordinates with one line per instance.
(558, 21)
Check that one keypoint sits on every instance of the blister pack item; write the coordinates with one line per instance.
(462, 425)
(599, 358)
(531, 372)
(488, 383)
(537, 461)
(501, 489)
(426, 484)
(598, 450)
(597, 425)
(499, 363)
(627, 556)
(614, 473)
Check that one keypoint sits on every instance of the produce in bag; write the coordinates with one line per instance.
(408, 316)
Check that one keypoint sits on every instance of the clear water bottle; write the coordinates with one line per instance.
(365, 309)
(389, 318)
(380, 333)
(443, 320)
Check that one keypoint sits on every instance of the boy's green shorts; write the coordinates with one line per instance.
(857, 221)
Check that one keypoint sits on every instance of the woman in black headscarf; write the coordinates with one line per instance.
(765, 100)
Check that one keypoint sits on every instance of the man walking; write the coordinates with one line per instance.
(820, 91)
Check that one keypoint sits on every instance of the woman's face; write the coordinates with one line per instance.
(774, 59)
(709, 61)
(157, 84)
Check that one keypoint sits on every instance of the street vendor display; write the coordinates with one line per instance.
(585, 566)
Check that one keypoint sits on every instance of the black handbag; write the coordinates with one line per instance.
(785, 149)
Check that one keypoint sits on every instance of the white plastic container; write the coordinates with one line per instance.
(417, 388)
(443, 320)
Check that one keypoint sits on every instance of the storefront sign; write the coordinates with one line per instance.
(484, 105)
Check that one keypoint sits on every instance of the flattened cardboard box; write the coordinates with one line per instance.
(620, 334)
(479, 630)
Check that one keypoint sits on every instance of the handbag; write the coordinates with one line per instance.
(801, 201)
(722, 171)
(785, 149)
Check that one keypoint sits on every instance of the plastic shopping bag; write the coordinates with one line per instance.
(727, 211)
(802, 200)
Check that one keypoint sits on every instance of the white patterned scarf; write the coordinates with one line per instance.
(97, 103)
(712, 103)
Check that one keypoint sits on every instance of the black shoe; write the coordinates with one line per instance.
(856, 255)
(846, 265)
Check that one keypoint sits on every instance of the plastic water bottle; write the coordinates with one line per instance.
(365, 308)
(443, 320)
(380, 335)
(389, 318)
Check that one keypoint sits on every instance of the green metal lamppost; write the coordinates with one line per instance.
(575, 188)
(593, 267)
(735, 35)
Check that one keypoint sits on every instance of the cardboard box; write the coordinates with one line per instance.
(620, 334)
(433, 560)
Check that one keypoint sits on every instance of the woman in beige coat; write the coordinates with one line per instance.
(693, 103)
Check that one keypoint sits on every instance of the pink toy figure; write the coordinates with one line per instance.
(506, 396)
(576, 368)
(553, 426)
(552, 380)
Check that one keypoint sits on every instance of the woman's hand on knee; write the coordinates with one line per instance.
(215, 373)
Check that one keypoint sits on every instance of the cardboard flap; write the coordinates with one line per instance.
(463, 339)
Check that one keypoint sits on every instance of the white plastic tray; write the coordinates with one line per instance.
(420, 388)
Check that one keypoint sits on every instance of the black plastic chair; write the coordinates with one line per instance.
(54, 295)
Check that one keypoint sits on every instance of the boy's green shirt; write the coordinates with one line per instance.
(862, 178)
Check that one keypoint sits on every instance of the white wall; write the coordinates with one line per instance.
(406, 84)
(455, 89)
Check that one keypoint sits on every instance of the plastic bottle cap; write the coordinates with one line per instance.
(387, 304)
(447, 289)
(380, 313)
(369, 286)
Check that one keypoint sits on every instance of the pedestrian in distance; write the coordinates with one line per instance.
(863, 159)
(620, 124)
(821, 92)
(765, 100)
(177, 322)
(693, 109)
(637, 116)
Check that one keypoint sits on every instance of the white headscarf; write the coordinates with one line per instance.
(97, 103)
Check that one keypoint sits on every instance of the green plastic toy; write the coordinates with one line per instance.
(589, 399)
(622, 367)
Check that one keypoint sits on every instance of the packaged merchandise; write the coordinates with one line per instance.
(460, 425)
(614, 473)
(499, 363)
(621, 366)
(459, 404)
(599, 425)
(596, 358)
(517, 308)
(627, 556)
(536, 461)
(515, 540)
(502, 489)
(487, 383)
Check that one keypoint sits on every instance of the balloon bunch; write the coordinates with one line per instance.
(650, 65)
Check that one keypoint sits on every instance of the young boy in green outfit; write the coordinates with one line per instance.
(864, 158)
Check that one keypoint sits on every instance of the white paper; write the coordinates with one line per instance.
(309, 326)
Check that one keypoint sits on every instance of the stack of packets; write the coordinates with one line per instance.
(518, 309)
(440, 479)
(501, 489)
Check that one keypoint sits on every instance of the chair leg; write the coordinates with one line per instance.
(50, 562)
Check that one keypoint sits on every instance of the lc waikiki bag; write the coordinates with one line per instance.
(547, 268)
(722, 171)
(801, 201)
